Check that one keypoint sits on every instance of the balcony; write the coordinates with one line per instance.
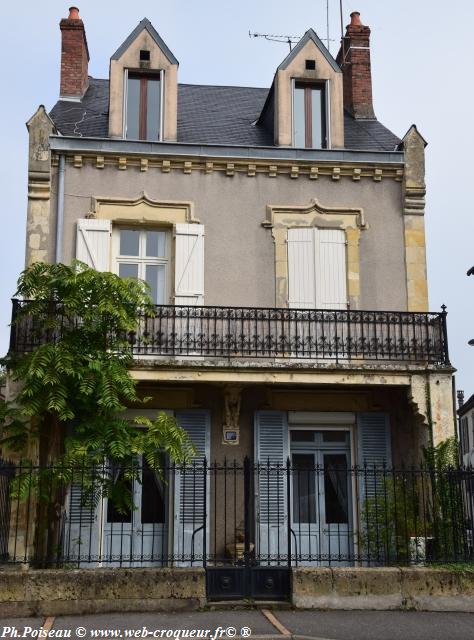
(243, 332)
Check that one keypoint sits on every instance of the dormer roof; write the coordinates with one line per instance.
(143, 25)
(309, 35)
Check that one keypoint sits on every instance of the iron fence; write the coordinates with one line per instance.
(238, 514)
(244, 332)
(6, 473)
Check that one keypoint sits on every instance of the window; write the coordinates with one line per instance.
(309, 116)
(144, 254)
(143, 106)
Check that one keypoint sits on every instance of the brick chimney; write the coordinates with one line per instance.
(74, 56)
(354, 60)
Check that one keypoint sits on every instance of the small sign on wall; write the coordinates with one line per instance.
(230, 435)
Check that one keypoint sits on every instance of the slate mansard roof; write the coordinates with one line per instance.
(209, 115)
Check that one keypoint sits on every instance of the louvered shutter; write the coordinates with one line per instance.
(189, 264)
(375, 453)
(81, 535)
(271, 448)
(301, 277)
(191, 486)
(93, 243)
(330, 269)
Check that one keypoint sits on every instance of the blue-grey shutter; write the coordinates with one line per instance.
(375, 454)
(81, 534)
(271, 449)
(374, 440)
(191, 486)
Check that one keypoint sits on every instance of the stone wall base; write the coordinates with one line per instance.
(53, 592)
(422, 589)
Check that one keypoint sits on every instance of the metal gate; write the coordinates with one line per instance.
(6, 474)
(249, 532)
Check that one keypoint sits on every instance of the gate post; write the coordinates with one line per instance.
(247, 471)
(204, 524)
(288, 511)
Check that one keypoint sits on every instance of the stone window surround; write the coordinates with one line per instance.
(280, 218)
(143, 210)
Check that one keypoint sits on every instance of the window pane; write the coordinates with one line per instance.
(302, 435)
(155, 277)
(128, 270)
(133, 108)
(335, 436)
(156, 244)
(153, 110)
(317, 118)
(153, 496)
(120, 498)
(129, 242)
(336, 498)
(304, 494)
(298, 117)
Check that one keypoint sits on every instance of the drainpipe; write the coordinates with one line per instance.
(60, 210)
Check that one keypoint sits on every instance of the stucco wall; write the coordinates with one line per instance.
(239, 252)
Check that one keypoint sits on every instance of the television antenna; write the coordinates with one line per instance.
(273, 37)
(290, 40)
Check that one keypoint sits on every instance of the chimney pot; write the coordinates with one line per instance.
(73, 13)
(355, 19)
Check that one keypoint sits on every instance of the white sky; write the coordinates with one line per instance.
(422, 73)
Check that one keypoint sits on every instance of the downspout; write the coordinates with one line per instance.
(60, 210)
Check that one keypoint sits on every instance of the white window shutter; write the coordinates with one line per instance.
(301, 277)
(189, 264)
(330, 269)
(93, 243)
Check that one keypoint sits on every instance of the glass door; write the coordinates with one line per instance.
(137, 536)
(321, 510)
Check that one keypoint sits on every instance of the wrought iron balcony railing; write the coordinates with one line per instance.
(245, 332)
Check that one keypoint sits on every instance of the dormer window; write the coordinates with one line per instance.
(309, 115)
(143, 106)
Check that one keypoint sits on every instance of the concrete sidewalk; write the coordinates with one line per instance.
(274, 625)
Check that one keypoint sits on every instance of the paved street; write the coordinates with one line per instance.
(321, 625)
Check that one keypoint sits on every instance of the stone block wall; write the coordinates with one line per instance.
(52, 592)
(417, 588)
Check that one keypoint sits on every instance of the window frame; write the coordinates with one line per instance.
(142, 259)
(308, 85)
(143, 76)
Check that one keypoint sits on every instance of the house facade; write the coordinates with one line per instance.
(282, 234)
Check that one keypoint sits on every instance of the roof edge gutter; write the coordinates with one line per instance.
(62, 144)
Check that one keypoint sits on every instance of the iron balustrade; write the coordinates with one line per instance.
(237, 514)
(245, 332)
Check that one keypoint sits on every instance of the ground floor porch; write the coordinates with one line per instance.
(285, 475)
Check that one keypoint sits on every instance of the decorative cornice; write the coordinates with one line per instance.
(39, 185)
(294, 169)
(275, 211)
